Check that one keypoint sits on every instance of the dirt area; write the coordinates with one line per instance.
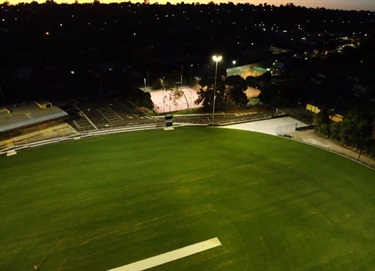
(313, 138)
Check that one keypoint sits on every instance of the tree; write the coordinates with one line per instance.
(264, 79)
(335, 130)
(235, 90)
(141, 98)
(206, 94)
(356, 128)
(322, 122)
(251, 81)
(172, 79)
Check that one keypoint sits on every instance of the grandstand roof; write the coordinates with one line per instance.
(27, 115)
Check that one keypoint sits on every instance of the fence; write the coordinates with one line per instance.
(286, 129)
(13, 150)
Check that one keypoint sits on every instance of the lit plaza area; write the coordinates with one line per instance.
(173, 100)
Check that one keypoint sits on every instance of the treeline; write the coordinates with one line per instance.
(354, 131)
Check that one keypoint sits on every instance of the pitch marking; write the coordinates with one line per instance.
(170, 256)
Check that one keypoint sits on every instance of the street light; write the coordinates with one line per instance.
(216, 59)
(191, 65)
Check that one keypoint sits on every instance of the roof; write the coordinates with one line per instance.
(254, 69)
(27, 115)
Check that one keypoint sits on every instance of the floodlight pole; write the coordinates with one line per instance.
(216, 59)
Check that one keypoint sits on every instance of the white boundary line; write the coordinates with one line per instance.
(170, 256)
(96, 128)
(109, 111)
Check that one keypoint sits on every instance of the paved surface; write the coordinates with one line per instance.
(276, 126)
(313, 138)
(115, 112)
(118, 112)
(285, 125)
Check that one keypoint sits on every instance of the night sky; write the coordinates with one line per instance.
(331, 4)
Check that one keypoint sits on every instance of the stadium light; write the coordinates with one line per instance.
(216, 59)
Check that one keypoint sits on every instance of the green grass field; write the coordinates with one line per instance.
(101, 203)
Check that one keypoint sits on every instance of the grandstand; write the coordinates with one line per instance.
(20, 122)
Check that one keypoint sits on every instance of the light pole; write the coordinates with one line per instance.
(191, 65)
(216, 59)
(147, 79)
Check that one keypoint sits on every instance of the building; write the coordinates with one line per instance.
(20, 119)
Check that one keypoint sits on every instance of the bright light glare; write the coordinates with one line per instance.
(217, 58)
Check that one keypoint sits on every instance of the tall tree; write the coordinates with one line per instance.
(322, 122)
(235, 90)
(206, 94)
(356, 128)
